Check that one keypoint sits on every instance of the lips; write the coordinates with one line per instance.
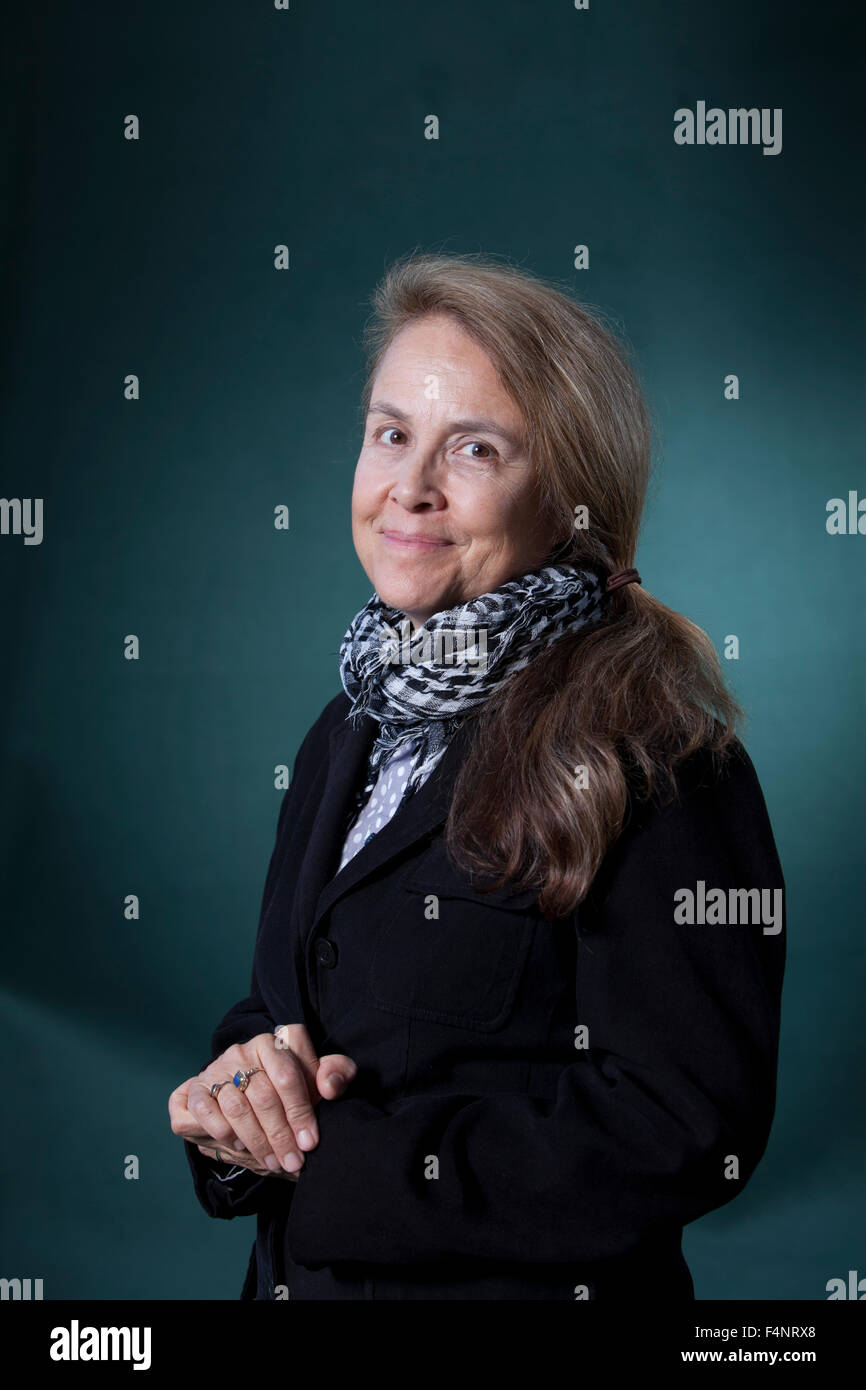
(415, 540)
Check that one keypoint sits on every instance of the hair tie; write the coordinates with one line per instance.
(615, 581)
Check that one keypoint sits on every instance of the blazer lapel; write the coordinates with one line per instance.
(423, 812)
(349, 747)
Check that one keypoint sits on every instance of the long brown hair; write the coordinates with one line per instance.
(627, 700)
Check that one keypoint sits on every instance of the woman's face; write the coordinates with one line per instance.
(443, 507)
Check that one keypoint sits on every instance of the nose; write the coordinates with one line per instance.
(415, 485)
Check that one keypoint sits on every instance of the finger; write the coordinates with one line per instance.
(238, 1109)
(204, 1115)
(201, 1137)
(177, 1111)
(295, 1130)
(287, 1134)
(243, 1160)
(294, 1038)
(335, 1073)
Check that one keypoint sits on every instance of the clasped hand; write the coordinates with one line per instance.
(267, 1127)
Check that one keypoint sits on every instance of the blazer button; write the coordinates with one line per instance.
(326, 953)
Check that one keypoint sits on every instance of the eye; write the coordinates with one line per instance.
(382, 434)
(476, 444)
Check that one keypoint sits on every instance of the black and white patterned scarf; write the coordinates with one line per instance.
(418, 687)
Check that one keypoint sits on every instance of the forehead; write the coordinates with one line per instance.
(438, 347)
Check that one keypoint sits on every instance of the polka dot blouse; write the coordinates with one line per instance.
(383, 801)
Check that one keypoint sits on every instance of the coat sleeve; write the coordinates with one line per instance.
(662, 1118)
(226, 1191)
(221, 1189)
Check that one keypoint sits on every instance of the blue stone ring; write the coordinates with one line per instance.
(241, 1079)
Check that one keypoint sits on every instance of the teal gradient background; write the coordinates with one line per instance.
(156, 777)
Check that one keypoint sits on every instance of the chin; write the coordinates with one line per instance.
(404, 592)
(404, 600)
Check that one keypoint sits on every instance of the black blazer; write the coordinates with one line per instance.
(480, 1152)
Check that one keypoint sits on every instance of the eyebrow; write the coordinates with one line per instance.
(478, 425)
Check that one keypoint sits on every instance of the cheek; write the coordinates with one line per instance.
(486, 511)
(363, 496)
(372, 481)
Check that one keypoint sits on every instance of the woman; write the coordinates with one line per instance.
(514, 1010)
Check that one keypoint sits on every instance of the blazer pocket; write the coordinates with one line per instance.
(447, 953)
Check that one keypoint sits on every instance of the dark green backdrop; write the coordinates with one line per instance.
(156, 776)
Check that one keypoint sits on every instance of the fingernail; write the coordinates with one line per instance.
(307, 1139)
(272, 1162)
(238, 1144)
(337, 1082)
(292, 1163)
